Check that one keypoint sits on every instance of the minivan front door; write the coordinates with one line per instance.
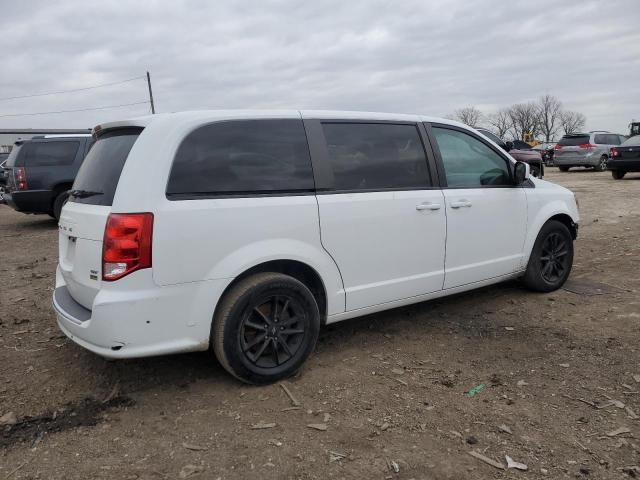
(380, 220)
(486, 213)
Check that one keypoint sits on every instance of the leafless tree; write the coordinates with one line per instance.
(469, 116)
(524, 119)
(572, 122)
(550, 111)
(500, 121)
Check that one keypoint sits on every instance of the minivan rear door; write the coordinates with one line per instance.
(381, 217)
(83, 219)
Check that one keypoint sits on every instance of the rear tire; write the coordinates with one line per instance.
(564, 169)
(551, 258)
(58, 203)
(265, 328)
(602, 166)
(618, 174)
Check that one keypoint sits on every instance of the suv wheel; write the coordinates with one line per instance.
(618, 174)
(564, 169)
(602, 165)
(551, 258)
(265, 328)
(58, 203)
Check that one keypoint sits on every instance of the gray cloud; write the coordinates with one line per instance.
(411, 56)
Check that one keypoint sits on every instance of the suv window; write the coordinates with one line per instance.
(50, 154)
(372, 156)
(468, 162)
(573, 140)
(606, 139)
(240, 157)
(103, 165)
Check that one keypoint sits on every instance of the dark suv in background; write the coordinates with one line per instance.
(39, 172)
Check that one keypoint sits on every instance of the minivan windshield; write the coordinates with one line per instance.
(101, 169)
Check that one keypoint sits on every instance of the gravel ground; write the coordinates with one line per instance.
(387, 393)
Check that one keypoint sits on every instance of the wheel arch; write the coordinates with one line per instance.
(294, 268)
(554, 211)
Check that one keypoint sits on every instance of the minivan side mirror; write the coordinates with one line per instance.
(521, 172)
(508, 146)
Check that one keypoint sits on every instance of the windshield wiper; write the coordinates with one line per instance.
(83, 193)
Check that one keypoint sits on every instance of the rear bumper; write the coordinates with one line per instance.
(576, 161)
(134, 322)
(626, 165)
(30, 201)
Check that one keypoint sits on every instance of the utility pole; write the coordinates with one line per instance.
(153, 108)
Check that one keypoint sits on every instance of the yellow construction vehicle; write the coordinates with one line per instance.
(528, 138)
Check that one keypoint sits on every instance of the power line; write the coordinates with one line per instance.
(71, 111)
(73, 90)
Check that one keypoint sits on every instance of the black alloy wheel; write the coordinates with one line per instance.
(265, 327)
(272, 333)
(554, 258)
(551, 258)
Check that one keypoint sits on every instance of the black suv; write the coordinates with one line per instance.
(39, 172)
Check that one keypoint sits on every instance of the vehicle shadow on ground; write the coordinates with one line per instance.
(39, 223)
(465, 313)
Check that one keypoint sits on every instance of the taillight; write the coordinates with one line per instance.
(557, 147)
(613, 152)
(20, 178)
(587, 145)
(127, 244)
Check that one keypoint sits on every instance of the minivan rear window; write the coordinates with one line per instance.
(242, 157)
(607, 139)
(99, 174)
(573, 140)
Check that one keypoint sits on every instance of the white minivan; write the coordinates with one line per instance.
(245, 231)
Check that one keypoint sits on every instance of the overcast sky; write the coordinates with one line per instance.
(425, 56)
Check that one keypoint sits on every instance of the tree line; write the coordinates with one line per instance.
(544, 118)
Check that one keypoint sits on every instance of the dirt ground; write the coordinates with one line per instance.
(558, 373)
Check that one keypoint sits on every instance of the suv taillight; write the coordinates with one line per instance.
(587, 145)
(613, 152)
(20, 178)
(557, 147)
(127, 244)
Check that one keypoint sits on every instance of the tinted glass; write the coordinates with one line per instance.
(573, 140)
(367, 156)
(633, 141)
(49, 154)
(468, 162)
(103, 165)
(239, 157)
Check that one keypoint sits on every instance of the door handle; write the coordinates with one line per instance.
(428, 206)
(460, 204)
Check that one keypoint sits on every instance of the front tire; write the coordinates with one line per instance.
(265, 328)
(551, 258)
(618, 174)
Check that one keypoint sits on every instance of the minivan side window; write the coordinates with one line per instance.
(243, 157)
(376, 156)
(468, 162)
(49, 154)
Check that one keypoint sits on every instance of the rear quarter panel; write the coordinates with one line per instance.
(219, 238)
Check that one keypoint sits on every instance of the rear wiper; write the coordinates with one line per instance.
(83, 193)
